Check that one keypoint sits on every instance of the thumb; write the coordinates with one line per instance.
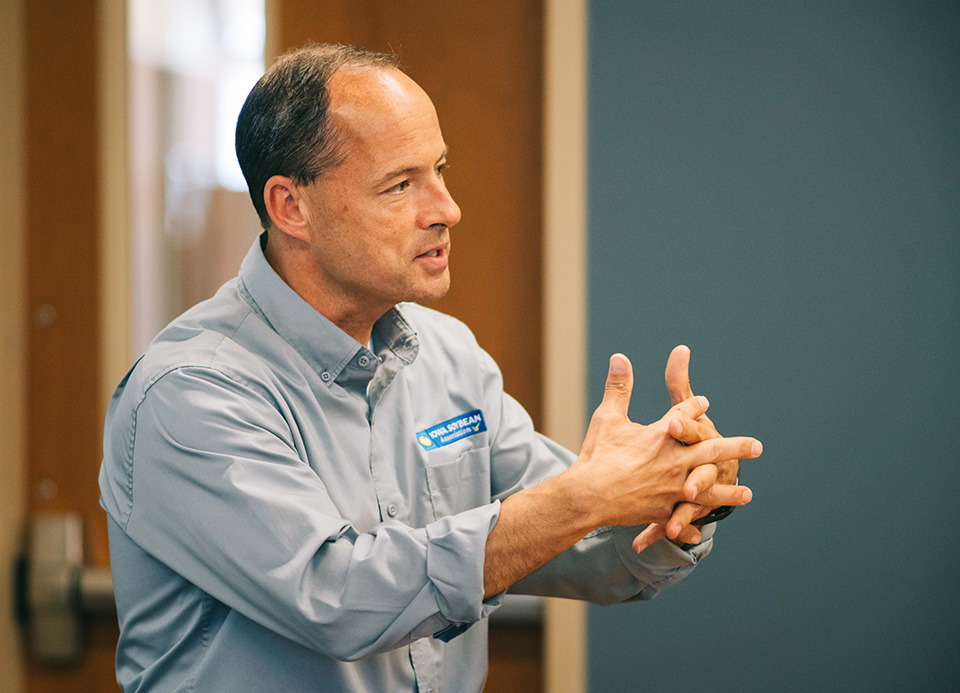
(677, 375)
(619, 385)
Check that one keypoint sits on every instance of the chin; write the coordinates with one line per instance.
(431, 294)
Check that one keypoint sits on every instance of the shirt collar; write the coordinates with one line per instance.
(326, 347)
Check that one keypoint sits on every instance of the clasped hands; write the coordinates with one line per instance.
(667, 474)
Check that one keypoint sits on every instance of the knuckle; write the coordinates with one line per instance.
(710, 473)
(603, 416)
(676, 467)
(681, 425)
(715, 449)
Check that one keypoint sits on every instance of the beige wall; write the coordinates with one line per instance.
(11, 330)
(564, 292)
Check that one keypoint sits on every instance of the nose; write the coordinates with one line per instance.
(441, 209)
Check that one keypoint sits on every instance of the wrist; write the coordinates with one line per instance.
(576, 499)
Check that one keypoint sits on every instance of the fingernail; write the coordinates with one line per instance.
(746, 495)
(618, 364)
(704, 402)
(757, 448)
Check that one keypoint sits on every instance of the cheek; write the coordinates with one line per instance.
(370, 236)
(387, 233)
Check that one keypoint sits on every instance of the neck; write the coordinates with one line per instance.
(293, 267)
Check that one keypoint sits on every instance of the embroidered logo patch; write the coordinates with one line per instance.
(452, 430)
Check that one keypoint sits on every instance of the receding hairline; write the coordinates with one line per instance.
(335, 57)
(345, 91)
(354, 96)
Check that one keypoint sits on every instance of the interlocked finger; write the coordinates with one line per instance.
(700, 478)
(651, 534)
(725, 494)
(689, 431)
(722, 449)
(691, 408)
(689, 535)
(683, 515)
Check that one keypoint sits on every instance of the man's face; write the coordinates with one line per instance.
(379, 222)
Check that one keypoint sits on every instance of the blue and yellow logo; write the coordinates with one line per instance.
(452, 430)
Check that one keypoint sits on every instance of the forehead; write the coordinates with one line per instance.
(383, 114)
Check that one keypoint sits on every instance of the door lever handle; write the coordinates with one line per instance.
(55, 592)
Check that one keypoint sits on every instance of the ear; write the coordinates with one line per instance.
(285, 205)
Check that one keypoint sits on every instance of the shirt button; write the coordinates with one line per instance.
(325, 376)
(364, 361)
(392, 510)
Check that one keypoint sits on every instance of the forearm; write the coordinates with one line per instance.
(534, 526)
(602, 568)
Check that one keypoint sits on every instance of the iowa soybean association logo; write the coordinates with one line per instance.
(452, 430)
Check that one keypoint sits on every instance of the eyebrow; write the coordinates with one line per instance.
(408, 170)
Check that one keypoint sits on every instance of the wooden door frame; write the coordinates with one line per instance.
(564, 292)
(115, 192)
(12, 338)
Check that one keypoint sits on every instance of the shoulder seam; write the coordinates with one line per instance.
(177, 366)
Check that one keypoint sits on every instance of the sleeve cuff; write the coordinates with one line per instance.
(665, 553)
(663, 563)
(456, 548)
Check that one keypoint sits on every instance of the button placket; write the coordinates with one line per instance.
(426, 665)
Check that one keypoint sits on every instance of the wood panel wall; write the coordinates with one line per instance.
(63, 418)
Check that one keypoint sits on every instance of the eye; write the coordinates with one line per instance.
(441, 168)
(399, 187)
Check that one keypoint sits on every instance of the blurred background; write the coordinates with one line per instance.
(775, 185)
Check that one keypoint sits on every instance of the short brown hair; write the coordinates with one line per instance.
(283, 128)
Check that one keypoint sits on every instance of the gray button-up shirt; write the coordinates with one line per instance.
(291, 510)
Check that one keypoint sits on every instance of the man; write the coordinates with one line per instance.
(313, 483)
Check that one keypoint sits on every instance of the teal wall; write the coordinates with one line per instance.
(777, 185)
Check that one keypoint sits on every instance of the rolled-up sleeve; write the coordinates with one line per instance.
(602, 567)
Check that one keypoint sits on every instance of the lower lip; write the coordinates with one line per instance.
(432, 263)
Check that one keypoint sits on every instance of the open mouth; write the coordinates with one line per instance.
(436, 252)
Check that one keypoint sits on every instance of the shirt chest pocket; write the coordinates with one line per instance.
(460, 484)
